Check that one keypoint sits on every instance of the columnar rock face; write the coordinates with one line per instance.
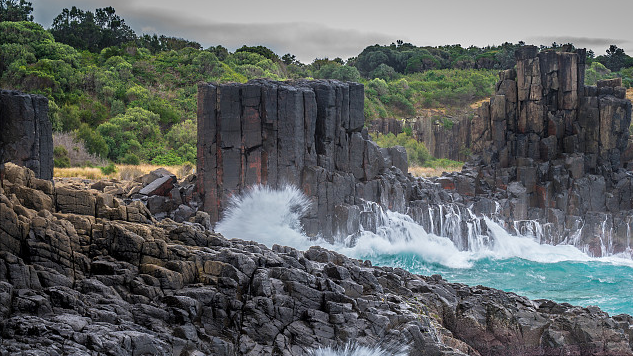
(26, 133)
(543, 111)
(446, 138)
(551, 154)
(386, 125)
(309, 134)
(551, 151)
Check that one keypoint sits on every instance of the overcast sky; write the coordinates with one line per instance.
(342, 28)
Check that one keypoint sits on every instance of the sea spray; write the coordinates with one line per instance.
(495, 258)
(358, 350)
(266, 215)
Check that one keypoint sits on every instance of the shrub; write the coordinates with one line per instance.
(447, 123)
(171, 158)
(130, 132)
(131, 158)
(76, 150)
(93, 140)
(109, 169)
(60, 157)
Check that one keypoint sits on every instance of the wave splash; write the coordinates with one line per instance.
(272, 216)
(357, 350)
(266, 215)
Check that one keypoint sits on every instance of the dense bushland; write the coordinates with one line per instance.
(132, 98)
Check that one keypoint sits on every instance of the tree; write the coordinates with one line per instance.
(220, 52)
(289, 59)
(164, 43)
(114, 30)
(615, 59)
(12, 10)
(91, 31)
(261, 50)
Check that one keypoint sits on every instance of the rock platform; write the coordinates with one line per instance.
(73, 282)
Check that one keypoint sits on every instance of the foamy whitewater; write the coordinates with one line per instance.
(517, 264)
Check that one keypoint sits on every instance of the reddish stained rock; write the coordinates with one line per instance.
(446, 183)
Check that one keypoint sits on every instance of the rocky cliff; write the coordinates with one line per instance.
(26, 133)
(552, 152)
(76, 281)
(309, 134)
(552, 155)
(445, 136)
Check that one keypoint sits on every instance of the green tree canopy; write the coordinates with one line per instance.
(12, 10)
(615, 59)
(86, 30)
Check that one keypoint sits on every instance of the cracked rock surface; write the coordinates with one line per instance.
(124, 284)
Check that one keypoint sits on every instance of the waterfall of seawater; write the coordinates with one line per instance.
(459, 245)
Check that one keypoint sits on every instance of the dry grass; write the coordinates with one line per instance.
(78, 172)
(479, 103)
(123, 172)
(431, 172)
(629, 94)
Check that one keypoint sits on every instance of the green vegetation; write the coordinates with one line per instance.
(417, 152)
(109, 169)
(132, 98)
(12, 10)
(60, 157)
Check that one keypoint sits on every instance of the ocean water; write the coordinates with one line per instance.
(516, 264)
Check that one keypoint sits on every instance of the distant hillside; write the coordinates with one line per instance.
(133, 98)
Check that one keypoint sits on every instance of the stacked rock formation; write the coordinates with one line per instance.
(386, 126)
(26, 132)
(309, 134)
(123, 284)
(552, 152)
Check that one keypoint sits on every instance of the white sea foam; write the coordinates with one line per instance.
(272, 216)
(269, 216)
(356, 350)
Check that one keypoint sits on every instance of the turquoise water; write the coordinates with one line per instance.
(499, 260)
(584, 283)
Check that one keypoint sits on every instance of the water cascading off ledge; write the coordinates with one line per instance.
(489, 255)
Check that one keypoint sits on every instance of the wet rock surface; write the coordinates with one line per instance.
(552, 156)
(553, 151)
(124, 284)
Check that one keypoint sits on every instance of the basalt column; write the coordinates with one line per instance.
(308, 134)
(26, 133)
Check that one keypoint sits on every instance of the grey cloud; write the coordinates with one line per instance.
(306, 40)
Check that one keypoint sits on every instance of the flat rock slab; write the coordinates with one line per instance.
(161, 186)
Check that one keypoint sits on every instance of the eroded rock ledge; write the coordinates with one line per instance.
(124, 284)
